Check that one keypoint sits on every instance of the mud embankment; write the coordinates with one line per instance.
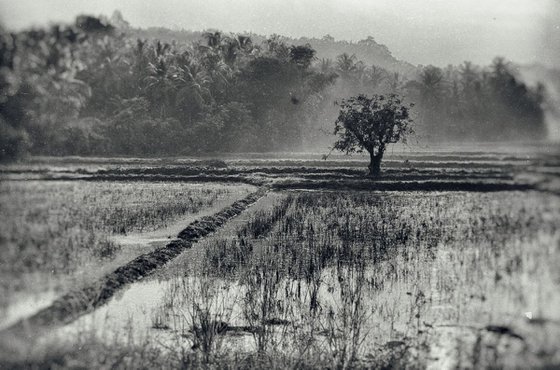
(380, 185)
(76, 303)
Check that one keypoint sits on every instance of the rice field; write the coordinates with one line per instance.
(355, 272)
(323, 271)
(355, 279)
(52, 232)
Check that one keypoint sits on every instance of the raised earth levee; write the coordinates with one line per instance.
(74, 304)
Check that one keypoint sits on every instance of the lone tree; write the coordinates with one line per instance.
(370, 124)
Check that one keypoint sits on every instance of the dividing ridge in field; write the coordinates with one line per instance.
(473, 169)
(74, 304)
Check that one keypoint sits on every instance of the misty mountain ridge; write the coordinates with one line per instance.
(367, 50)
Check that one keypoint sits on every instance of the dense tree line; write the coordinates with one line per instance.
(460, 103)
(91, 89)
(87, 89)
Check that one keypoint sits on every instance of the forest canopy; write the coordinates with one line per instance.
(95, 88)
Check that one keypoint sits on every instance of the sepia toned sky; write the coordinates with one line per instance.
(422, 32)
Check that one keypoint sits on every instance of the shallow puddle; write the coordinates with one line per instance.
(25, 306)
(131, 246)
(157, 305)
(153, 239)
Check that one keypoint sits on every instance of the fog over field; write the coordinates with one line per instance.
(280, 184)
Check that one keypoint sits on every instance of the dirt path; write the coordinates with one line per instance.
(75, 304)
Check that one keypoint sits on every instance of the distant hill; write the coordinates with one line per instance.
(367, 50)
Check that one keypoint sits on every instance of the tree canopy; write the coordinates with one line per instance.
(370, 124)
(88, 88)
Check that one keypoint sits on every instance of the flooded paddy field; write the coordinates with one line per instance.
(60, 234)
(303, 274)
(350, 185)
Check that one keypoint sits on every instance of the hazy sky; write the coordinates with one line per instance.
(419, 31)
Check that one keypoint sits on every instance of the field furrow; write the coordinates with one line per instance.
(74, 304)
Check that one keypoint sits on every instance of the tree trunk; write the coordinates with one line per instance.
(375, 163)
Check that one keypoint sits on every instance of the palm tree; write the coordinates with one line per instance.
(159, 86)
(245, 42)
(432, 87)
(360, 73)
(326, 65)
(376, 76)
(346, 64)
(230, 48)
(213, 38)
(395, 82)
(139, 64)
(469, 81)
(277, 47)
(193, 87)
(431, 84)
(500, 75)
(468, 75)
